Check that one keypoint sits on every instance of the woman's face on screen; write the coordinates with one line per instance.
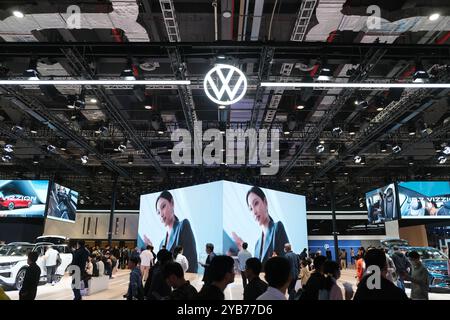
(258, 207)
(165, 211)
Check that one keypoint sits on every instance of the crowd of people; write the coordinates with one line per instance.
(317, 274)
(161, 276)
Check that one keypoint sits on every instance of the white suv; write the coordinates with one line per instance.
(14, 256)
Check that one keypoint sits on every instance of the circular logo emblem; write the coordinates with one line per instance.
(225, 84)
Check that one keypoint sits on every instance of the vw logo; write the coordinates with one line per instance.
(223, 79)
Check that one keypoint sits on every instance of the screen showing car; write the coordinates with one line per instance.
(382, 204)
(424, 199)
(62, 203)
(23, 198)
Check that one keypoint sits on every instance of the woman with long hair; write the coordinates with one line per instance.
(178, 233)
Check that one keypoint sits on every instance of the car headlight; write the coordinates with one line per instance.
(7, 265)
(439, 281)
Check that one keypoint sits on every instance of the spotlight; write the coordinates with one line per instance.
(51, 148)
(320, 148)
(127, 74)
(446, 150)
(36, 159)
(122, 147)
(332, 148)
(421, 77)
(93, 100)
(9, 148)
(434, 16)
(300, 107)
(352, 130)
(380, 109)
(6, 158)
(396, 148)
(442, 159)
(226, 14)
(148, 107)
(222, 107)
(130, 159)
(102, 129)
(337, 131)
(76, 102)
(84, 159)
(383, 147)
(357, 159)
(160, 132)
(411, 130)
(31, 73)
(318, 162)
(221, 57)
(325, 74)
(20, 15)
(362, 104)
(33, 130)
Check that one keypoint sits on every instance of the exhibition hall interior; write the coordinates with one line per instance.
(224, 150)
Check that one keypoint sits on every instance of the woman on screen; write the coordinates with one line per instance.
(179, 233)
(273, 236)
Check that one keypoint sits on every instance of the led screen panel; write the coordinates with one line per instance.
(23, 198)
(382, 204)
(62, 203)
(219, 213)
(424, 199)
(263, 218)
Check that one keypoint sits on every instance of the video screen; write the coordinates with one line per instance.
(424, 199)
(23, 198)
(62, 203)
(189, 217)
(221, 213)
(382, 204)
(264, 219)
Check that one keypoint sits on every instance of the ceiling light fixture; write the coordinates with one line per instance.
(446, 150)
(396, 148)
(51, 148)
(222, 107)
(20, 15)
(9, 148)
(325, 74)
(6, 158)
(148, 107)
(84, 159)
(130, 159)
(434, 16)
(93, 82)
(93, 100)
(442, 159)
(380, 109)
(300, 107)
(320, 148)
(356, 85)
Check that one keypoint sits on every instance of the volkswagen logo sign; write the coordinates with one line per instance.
(225, 84)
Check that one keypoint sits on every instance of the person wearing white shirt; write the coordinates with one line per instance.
(146, 262)
(243, 256)
(51, 261)
(179, 258)
(278, 276)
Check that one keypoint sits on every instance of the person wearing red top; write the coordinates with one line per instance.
(360, 265)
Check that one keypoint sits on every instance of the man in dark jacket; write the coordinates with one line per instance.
(314, 284)
(210, 251)
(174, 275)
(31, 279)
(157, 288)
(386, 289)
(80, 258)
(255, 286)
